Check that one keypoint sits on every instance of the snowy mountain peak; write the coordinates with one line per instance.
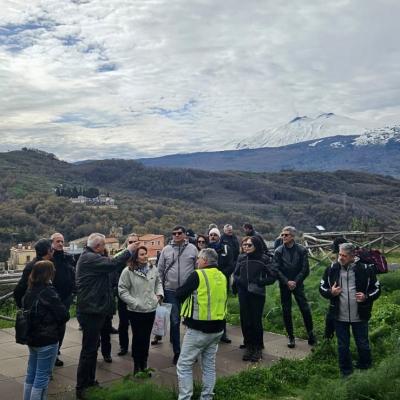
(302, 129)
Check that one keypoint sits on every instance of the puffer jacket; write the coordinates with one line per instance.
(93, 281)
(139, 291)
(366, 283)
(176, 263)
(47, 316)
(253, 273)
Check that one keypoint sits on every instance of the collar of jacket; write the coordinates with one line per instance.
(173, 244)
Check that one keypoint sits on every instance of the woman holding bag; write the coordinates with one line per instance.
(47, 317)
(141, 289)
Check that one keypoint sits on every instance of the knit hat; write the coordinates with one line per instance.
(215, 230)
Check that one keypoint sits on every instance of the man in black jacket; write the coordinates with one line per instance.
(351, 287)
(291, 261)
(231, 239)
(225, 263)
(94, 302)
(64, 279)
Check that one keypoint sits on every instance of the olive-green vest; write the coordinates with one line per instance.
(208, 302)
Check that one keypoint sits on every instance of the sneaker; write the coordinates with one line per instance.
(291, 343)
(59, 363)
(175, 359)
(107, 359)
(156, 340)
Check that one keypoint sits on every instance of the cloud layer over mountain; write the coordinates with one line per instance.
(97, 79)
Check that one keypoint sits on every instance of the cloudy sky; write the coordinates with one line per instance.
(131, 78)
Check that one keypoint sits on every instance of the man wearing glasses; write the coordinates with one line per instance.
(291, 260)
(177, 261)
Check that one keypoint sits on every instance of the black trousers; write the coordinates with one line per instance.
(105, 337)
(286, 301)
(251, 314)
(61, 333)
(142, 324)
(92, 325)
(123, 326)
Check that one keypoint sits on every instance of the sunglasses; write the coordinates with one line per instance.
(285, 234)
(177, 233)
(247, 245)
(133, 241)
(201, 241)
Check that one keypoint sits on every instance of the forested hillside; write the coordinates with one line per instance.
(154, 199)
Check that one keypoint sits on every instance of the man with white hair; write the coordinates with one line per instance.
(351, 287)
(94, 302)
(291, 261)
(231, 239)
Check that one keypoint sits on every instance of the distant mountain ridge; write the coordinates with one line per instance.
(375, 151)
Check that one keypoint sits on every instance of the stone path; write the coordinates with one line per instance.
(13, 361)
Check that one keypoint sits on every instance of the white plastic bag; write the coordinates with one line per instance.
(161, 320)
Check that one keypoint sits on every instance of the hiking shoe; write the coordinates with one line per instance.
(256, 355)
(58, 362)
(123, 352)
(312, 340)
(291, 343)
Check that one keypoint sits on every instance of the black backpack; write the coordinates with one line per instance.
(23, 321)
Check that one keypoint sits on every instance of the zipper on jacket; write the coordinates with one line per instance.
(348, 292)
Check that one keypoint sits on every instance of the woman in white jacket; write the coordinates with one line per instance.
(141, 289)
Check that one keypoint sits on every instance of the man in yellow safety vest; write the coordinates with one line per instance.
(204, 300)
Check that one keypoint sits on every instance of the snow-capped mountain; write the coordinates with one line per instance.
(302, 129)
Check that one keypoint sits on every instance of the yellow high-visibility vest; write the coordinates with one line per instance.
(208, 302)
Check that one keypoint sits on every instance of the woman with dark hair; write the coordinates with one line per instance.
(201, 242)
(252, 273)
(141, 289)
(47, 317)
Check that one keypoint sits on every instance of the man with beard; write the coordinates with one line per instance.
(225, 263)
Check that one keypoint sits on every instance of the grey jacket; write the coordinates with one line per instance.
(176, 263)
(139, 291)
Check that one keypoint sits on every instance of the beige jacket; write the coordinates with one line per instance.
(139, 291)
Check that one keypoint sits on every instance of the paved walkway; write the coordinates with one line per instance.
(13, 361)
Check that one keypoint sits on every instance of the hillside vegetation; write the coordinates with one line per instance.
(154, 199)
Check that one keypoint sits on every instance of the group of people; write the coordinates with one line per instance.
(194, 274)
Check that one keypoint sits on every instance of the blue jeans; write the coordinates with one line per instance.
(40, 365)
(360, 333)
(195, 344)
(175, 320)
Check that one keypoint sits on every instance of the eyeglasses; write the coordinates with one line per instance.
(177, 233)
(201, 241)
(285, 234)
(247, 245)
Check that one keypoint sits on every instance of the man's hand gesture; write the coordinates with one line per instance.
(336, 290)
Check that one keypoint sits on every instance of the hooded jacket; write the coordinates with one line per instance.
(176, 263)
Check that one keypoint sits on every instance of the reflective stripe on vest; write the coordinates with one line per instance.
(208, 302)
